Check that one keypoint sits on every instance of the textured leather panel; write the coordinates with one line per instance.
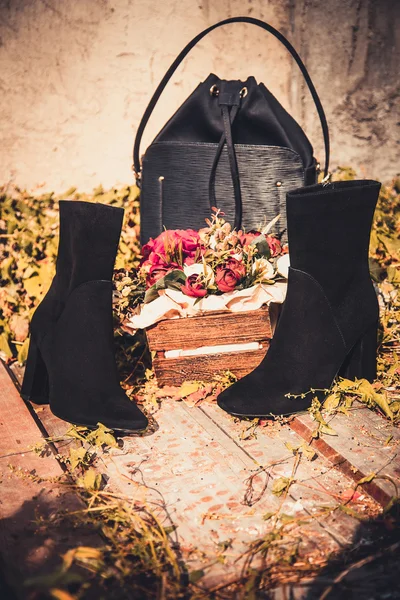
(175, 179)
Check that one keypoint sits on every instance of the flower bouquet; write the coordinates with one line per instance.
(187, 272)
(210, 275)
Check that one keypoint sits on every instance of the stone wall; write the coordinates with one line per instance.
(76, 76)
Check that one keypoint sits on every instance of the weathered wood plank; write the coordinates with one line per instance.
(359, 449)
(31, 490)
(174, 371)
(210, 329)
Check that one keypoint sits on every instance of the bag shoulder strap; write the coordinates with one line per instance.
(188, 48)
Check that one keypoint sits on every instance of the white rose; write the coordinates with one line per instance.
(282, 265)
(262, 269)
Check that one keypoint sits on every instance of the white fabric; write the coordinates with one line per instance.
(172, 304)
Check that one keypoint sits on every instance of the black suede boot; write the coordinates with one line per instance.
(329, 320)
(71, 361)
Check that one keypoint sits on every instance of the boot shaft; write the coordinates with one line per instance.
(89, 237)
(329, 230)
(87, 248)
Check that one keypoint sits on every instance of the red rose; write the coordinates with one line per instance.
(193, 287)
(172, 243)
(190, 240)
(153, 260)
(247, 238)
(229, 275)
(274, 245)
(164, 244)
(147, 249)
(157, 271)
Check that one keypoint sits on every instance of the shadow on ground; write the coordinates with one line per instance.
(369, 569)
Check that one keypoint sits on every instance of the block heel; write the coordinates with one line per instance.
(35, 386)
(360, 363)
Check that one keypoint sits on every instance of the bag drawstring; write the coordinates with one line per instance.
(230, 103)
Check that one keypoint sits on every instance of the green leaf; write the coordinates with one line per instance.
(393, 273)
(102, 436)
(284, 518)
(291, 448)
(347, 385)
(170, 529)
(395, 407)
(268, 516)
(392, 245)
(175, 277)
(188, 387)
(280, 485)
(351, 512)
(6, 266)
(151, 294)
(77, 457)
(369, 395)
(70, 191)
(33, 286)
(172, 280)
(36, 285)
(366, 479)
(91, 480)
(327, 429)
(77, 432)
(262, 246)
(303, 448)
(23, 352)
(195, 576)
(5, 346)
(307, 451)
(378, 273)
(331, 402)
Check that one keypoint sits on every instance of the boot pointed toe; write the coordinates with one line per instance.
(112, 409)
(239, 401)
(124, 416)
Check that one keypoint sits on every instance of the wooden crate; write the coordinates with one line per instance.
(209, 332)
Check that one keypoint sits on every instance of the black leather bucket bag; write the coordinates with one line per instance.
(231, 145)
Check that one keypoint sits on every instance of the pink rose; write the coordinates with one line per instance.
(172, 244)
(156, 272)
(164, 244)
(153, 259)
(274, 245)
(247, 238)
(190, 240)
(147, 250)
(194, 287)
(229, 275)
